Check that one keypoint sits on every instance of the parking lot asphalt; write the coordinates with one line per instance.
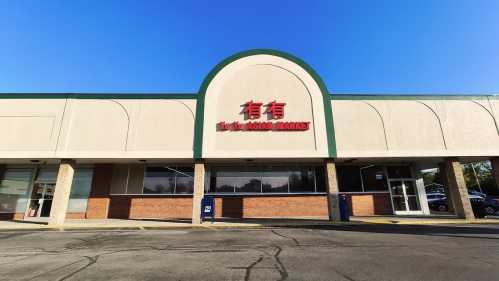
(343, 252)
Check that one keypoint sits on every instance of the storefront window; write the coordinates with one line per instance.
(266, 179)
(15, 189)
(349, 178)
(169, 180)
(80, 189)
(184, 183)
(275, 181)
(367, 178)
(302, 180)
(14, 186)
(159, 181)
(373, 178)
(397, 172)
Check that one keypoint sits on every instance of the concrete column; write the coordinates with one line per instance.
(199, 173)
(333, 200)
(445, 182)
(457, 189)
(61, 193)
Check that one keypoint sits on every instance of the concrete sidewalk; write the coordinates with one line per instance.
(421, 220)
(142, 224)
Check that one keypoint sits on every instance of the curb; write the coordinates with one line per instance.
(240, 226)
(144, 227)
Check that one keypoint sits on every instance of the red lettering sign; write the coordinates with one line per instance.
(253, 111)
(276, 109)
(263, 126)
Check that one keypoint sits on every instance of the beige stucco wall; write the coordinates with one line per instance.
(155, 128)
(97, 128)
(264, 78)
(30, 127)
(398, 128)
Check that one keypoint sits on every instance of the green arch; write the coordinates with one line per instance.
(328, 115)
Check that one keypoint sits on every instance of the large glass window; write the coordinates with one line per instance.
(367, 178)
(373, 178)
(80, 189)
(266, 179)
(184, 183)
(349, 178)
(397, 172)
(159, 180)
(275, 181)
(14, 186)
(302, 180)
(169, 180)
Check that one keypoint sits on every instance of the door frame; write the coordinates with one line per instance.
(34, 181)
(406, 212)
(30, 192)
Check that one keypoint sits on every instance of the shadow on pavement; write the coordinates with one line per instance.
(432, 230)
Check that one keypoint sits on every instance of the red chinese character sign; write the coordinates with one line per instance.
(253, 111)
(276, 109)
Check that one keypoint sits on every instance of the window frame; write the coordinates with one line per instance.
(175, 170)
(385, 173)
(261, 170)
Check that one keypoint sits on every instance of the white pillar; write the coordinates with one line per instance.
(199, 173)
(333, 200)
(61, 193)
(423, 200)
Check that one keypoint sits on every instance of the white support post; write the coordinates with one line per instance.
(199, 174)
(333, 196)
(61, 194)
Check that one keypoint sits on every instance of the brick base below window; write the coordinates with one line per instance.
(369, 204)
(132, 206)
(136, 207)
(11, 216)
(77, 216)
(271, 206)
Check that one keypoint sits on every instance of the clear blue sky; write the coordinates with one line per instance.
(364, 47)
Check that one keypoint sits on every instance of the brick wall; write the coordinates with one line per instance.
(369, 204)
(98, 199)
(11, 216)
(75, 216)
(271, 206)
(138, 206)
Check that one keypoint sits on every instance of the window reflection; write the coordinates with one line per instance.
(169, 180)
(275, 181)
(266, 179)
(373, 178)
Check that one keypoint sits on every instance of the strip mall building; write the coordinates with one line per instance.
(263, 135)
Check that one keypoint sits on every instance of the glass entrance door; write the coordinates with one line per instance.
(41, 200)
(404, 196)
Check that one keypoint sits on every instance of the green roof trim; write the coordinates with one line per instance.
(328, 115)
(410, 97)
(94, 96)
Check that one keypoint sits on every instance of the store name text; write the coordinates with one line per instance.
(253, 110)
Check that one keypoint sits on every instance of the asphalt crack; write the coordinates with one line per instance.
(285, 236)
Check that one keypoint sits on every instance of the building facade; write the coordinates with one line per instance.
(262, 135)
